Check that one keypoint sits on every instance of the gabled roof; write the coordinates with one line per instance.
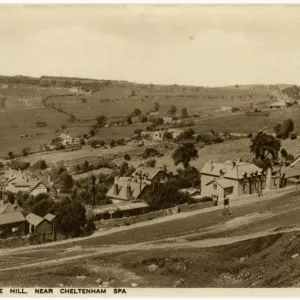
(223, 183)
(33, 219)
(231, 169)
(49, 217)
(149, 173)
(10, 218)
(44, 181)
(8, 208)
(135, 188)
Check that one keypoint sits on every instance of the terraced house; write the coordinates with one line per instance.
(232, 179)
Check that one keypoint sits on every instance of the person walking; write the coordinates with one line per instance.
(226, 206)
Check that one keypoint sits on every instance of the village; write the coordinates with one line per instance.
(37, 198)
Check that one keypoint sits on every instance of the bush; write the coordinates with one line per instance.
(127, 157)
(39, 165)
(293, 136)
(150, 152)
(18, 164)
(151, 163)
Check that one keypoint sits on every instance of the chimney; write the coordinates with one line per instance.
(165, 168)
(16, 204)
(211, 165)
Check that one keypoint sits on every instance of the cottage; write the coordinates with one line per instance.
(66, 139)
(156, 136)
(38, 225)
(51, 219)
(175, 132)
(136, 186)
(43, 186)
(279, 104)
(12, 224)
(167, 120)
(232, 178)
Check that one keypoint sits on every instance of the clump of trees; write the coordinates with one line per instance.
(265, 148)
(150, 163)
(150, 152)
(283, 131)
(186, 135)
(101, 120)
(184, 153)
(165, 195)
(292, 92)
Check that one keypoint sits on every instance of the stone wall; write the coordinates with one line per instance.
(14, 242)
(149, 216)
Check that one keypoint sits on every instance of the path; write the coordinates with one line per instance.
(235, 203)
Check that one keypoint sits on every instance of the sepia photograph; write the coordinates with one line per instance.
(149, 146)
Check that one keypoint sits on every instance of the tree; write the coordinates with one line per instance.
(186, 135)
(287, 128)
(189, 177)
(101, 120)
(112, 143)
(156, 106)
(264, 146)
(128, 120)
(165, 195)
(70, 217)
(168, 135)
(24, 151)
(184, 154)
(136, 112)
(149, 152)
(151, 163)
(92, 132)
(283, 153)
(127, 157)
(138, 131)
(143, 119)
(11, 155)
(184, 113)
(39, 165)
(172, 110)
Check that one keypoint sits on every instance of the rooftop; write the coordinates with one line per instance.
(10, 218)
(33, 219)
(231, 169)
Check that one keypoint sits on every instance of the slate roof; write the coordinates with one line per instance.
(231, 169)
(223, 183)
(10, 218)
(122, 194)
(49, 217)
(8, 208)
(33, 219)
(149, 173)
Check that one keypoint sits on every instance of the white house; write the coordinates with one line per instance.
(279, 104)
(66, 139)
(232, 178)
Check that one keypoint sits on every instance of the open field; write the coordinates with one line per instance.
(115, 102)
(249, 124)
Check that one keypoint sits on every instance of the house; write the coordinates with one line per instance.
(279, 104)
(156, 136)
(167, 120)
(290, 175)
(66, 139)
(233, 179)
(38, 225)
(51, 219)
(175, 132)
(43, 186)
(136, 186)
(18, 181)
(6, 207)
(154, 113)
(224, 109)
(12, 224)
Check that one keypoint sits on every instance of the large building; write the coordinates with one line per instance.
(135, 187)
(233, 179)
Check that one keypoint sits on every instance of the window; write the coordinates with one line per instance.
(15, 229)
(228, 190)
(215, 186)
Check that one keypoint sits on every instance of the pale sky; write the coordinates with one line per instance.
(196, 44)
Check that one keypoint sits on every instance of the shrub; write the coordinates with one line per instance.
(293, 136)
(18, 164)
(127, 157)
(149, 152)
(151, 163)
